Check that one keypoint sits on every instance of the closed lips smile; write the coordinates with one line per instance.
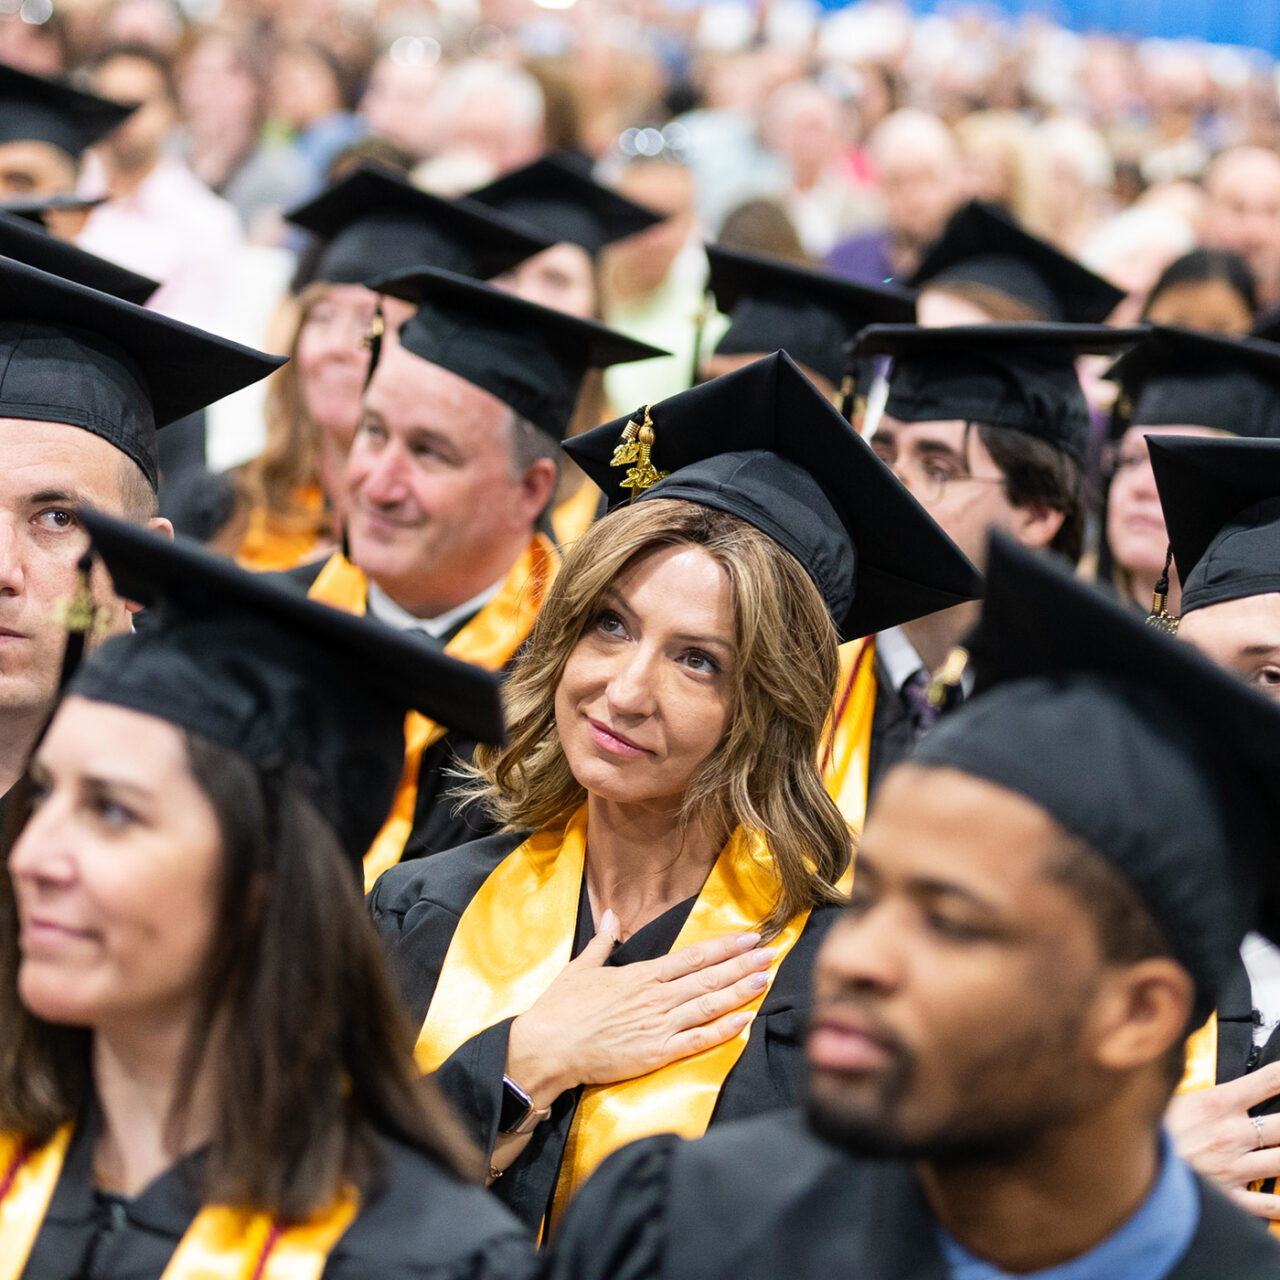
(36, 932)
(837, 1044)
(611, 740)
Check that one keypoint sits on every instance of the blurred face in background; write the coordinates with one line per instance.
(1243, 213)
(666, 188)
(137, 143)
(1211, 305)
(397, 103)
(562, 277)
(216, 89)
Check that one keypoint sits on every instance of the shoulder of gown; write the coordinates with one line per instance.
(757, 1198)
(421, 1223)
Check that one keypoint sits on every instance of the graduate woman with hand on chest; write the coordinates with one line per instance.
(630, 955)
(204, 1070)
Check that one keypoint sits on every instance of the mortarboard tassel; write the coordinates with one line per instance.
(633, 452)
(81, 618)
(946, 680)
(372, 342)
(1159, 617)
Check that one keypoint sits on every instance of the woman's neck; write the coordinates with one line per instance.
(135, 1076)
(642, 861)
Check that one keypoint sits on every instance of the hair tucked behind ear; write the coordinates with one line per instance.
(763, 776)
(296, 1016)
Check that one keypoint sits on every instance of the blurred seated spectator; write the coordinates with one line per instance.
(918, 166)
(999, 164)
(310, 99)
(1078, 178)
(1209, 289)
(397, 103)
(1243, 213)
(222, 97)
(763, 226)
(1132, 248)
(39, 47)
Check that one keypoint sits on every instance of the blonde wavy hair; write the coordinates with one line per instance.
(763, 776)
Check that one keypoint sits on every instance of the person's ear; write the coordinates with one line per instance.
(1140, 1012)
(164, 527)
(1036, 525)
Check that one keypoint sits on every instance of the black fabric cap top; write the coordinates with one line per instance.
(1134, 743)
(563, 203)
(1221, 501)
(1181, 377)
(37, 208)
(376, 223)
(764, 444)
(36, 109)
(1019, 376)
(256, 667)
(79, 356)
(811, 315)
(529, 356)
(29, 242)
(982, 244)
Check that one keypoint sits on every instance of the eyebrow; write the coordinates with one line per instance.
(926, 886)
(1260, 650)
(613, 596)
(53, 495)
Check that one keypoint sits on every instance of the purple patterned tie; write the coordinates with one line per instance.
(924, 715)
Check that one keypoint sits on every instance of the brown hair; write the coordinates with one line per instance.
(319, 1058)
(290, 460)
(763, 776)
(1036, 473)
(999, 306)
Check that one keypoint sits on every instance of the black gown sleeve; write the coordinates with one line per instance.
(616, 1227)
(438, 822)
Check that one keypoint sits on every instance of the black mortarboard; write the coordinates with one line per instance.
(284, 681)
(554, 195)
(35, 209)
(529, 356)
(764, 444)
(36, 109)
(1221, 501)
(1182, 377)
(982, 244)
(1020, 376)
(375, 223)
(29, 242)
(811, 315)
(75, 355)
(1133, 742)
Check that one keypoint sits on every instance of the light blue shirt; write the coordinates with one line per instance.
(1147, 1247)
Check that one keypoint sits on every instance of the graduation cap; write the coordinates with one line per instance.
(1221, 501)
(35, 209)
(80, 356)
(375, 223)
(764, 444)
(284, 681)
(554, 195)
(1019, 376)
(811, 315)
(29, 242)
(531, 357)
(1133, 742)
(1182, 377)
(37, 109)
(983, 244)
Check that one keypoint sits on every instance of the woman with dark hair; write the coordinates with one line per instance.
(204, 1069)
(630, 954)
(1209, 289)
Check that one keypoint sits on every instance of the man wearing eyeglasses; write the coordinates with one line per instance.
(988, 427)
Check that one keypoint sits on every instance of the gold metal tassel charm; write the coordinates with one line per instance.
(1160, 618)
(628, 449)
(377, 327)
(644, 475)
(78, 614)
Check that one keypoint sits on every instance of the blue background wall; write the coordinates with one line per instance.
(1242, 22)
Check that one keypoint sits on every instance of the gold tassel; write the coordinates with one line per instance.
(77, 613)
(628, 448)
(644, 475)
(1160, 618)
(947, 677)
(377, 327)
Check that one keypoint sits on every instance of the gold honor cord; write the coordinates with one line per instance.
(222, 1243)
(489, 640)
(846, 746)
(530, 902)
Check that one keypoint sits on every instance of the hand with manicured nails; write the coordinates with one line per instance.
(1214, 1133)
(597, 1024)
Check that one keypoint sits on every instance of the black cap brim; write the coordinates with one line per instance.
(28, 242)
(36, 109)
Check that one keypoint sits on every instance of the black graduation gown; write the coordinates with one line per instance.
(891, 735)
(764, 1199)
(419, 1224)
(1237, 1054)
(416, 907)
(437, 822)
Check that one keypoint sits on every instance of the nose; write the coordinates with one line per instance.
(864, 952)
(630, 691)
(11, 571)
(383, 477)
(40, 854)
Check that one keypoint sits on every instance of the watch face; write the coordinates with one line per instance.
(516, 1105)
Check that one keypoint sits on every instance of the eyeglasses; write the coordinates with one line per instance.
(929, 479)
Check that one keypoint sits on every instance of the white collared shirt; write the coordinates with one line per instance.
(385, 609)
(900, 660)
